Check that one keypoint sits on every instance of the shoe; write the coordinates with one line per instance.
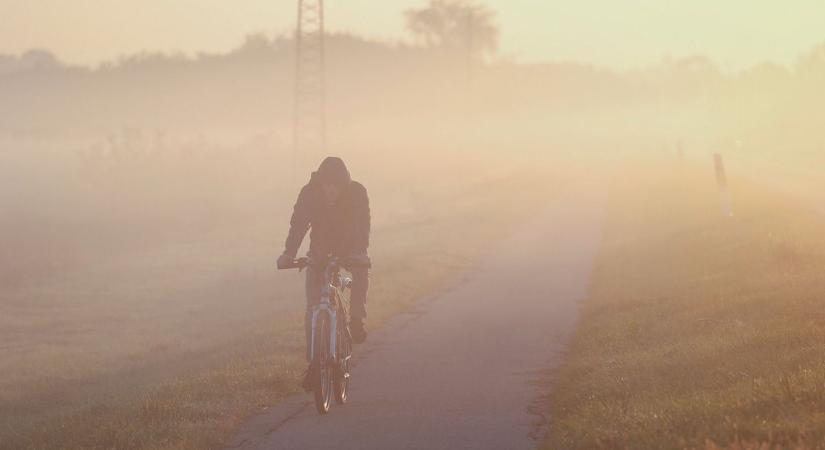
(356, 328)
(309, 379)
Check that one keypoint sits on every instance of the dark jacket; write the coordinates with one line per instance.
(342, 229)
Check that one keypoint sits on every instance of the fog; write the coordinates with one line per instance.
(160, 142)
(143, 202)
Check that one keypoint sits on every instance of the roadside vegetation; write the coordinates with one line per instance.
(701, 331)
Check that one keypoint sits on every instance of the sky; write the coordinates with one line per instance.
(619, 34)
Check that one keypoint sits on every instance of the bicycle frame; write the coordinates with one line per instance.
(332, 281)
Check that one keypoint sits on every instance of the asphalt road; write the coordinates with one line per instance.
(459, 371)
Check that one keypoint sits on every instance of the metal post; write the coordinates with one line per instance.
(470, 44)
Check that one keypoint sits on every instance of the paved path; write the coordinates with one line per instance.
(455, 373)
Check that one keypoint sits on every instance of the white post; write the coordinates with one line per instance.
(722, 184)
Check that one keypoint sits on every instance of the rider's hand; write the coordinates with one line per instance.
(285, 261)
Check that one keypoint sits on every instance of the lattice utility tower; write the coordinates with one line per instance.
(309, 134)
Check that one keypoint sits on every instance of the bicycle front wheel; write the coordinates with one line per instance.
(325, 365)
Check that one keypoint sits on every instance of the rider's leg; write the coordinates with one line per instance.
(314, 284)
(358, 296)
(358, 303)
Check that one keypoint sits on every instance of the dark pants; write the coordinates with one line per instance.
(358, 297)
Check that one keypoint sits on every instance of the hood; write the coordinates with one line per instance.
(333, 171)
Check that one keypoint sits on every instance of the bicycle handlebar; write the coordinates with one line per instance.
(302, 263)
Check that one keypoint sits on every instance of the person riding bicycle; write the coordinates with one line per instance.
(337, 210)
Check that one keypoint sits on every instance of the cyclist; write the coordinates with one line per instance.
(337, 210)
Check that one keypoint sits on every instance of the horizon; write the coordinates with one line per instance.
(643, 35)
(242, 40)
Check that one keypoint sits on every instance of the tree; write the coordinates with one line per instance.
(457, 25)
(38, 59)
(813, 62)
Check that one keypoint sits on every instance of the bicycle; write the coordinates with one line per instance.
(331, 342)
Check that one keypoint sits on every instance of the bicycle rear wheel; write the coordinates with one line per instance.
(324, 363)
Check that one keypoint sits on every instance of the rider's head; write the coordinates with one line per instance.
(333, 177)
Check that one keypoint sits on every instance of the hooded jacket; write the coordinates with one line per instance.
(342, 228)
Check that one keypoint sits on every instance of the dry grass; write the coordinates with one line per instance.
(701, 331)
(175, 345)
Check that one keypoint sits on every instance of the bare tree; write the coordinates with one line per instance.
(459, 25)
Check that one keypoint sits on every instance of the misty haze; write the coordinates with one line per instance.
(564, 254)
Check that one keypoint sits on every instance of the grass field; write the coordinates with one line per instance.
(172, 344)
(701, 331)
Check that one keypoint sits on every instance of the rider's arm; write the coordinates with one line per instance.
(299, 224)
(361, 214)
